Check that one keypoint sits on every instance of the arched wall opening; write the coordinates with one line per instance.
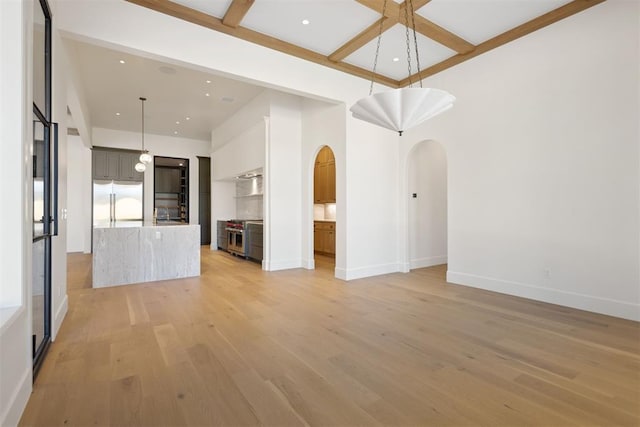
(427, 205)
(323, 173)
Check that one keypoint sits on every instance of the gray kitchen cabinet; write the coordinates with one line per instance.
(222, 235)
(127, 167)
(106, 164)
(116, 165)
(255, 243)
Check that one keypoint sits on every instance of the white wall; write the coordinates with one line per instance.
(78, 196)
(283, 214)
(427, 171)
(543, 164)
(59, 300)
(15, 234)
(159, 145)
(243, 153)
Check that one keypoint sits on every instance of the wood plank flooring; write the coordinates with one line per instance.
(239, 346)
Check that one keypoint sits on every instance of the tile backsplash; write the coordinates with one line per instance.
(249, 198)
(324, 212)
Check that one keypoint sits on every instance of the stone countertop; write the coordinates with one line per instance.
(137, 224)
(145, 253)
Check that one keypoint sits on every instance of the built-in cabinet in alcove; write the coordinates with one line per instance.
(324, 199)
(324, 177)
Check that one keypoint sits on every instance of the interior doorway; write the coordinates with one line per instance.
(427, 208)
(324, 209)
(204, 199)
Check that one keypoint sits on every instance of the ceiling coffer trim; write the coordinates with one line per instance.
(230, 24)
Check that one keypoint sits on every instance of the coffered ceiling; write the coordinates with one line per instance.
(343, 34)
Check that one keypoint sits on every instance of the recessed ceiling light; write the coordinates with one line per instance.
(207, 94)
(177, 122)
(187, 118)
(305, 22)
(227, 99)
(208, 81)
(117, 114)
(175, 132)
(396, 59)
(122, 61)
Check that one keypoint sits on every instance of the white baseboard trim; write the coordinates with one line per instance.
(428, 262)
(361, 272)
(18, 401)
(281, 265)
(591, 303)
(59, 316)
(309, 264)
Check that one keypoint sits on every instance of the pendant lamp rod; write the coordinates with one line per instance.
(375, 61)
(143, 99)
(145, 158)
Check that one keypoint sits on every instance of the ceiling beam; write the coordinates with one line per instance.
(442, 36)
(236, 12)
(362, 39)
(392, 10)
(506, 37)
(199, 18)
(423, 26)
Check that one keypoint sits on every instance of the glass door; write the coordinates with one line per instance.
(44, 183)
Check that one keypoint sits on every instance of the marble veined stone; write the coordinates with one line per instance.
(144, 254)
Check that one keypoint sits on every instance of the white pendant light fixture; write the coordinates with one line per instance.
(401, 109)
(145, 157)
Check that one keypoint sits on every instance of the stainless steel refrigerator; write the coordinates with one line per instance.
(116, 203)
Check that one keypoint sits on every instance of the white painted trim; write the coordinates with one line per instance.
(309, 264)
(18, 401)
(428, 262)
(8, 315)
(281, 265)
(623, 309)
(361, 272)
(59, 317)
(404, 267)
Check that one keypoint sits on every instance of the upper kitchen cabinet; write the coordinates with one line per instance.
(324, 177)
(115, 165)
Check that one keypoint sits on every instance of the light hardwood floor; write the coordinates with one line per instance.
(239, 346)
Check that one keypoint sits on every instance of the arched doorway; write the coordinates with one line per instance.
(324, 209)
(427, 207)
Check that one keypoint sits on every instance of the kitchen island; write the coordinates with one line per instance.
(135, 252)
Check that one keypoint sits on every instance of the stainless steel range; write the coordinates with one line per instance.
(236, 243)
(239, 233)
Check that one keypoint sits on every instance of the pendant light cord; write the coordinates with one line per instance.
(375, 61)
(415, 41)
(143, 99)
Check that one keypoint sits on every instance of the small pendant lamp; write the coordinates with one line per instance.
(145, 157)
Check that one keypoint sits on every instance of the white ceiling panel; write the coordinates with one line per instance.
(215, 8)
(480, 20)
(394, 45)
(173, 93)
(331, 22)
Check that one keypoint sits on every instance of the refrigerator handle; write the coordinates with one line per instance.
(112, 207)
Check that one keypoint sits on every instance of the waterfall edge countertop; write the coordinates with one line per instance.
(135, 252)
(134, 224)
